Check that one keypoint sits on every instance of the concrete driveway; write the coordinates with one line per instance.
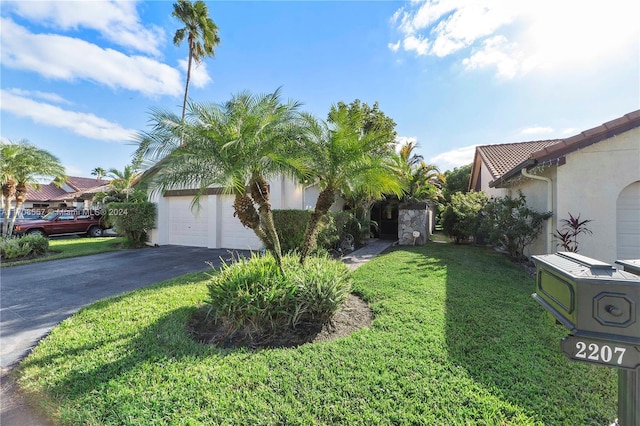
(35, 298)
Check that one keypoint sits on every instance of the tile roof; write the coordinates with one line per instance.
(81, 183)
(45, 193)
(50, 192)
(501, 158)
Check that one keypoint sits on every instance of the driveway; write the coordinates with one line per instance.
(35, 298)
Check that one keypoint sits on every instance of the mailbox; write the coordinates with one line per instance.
(590, 298)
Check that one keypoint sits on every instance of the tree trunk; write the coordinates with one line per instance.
(260, 193)
(325, 199)
(8, 192)
(249, 217)
(186, 87)
(21, 196)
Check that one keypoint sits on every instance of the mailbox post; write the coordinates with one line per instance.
(600, 306)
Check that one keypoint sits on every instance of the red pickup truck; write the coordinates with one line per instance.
(63, 222)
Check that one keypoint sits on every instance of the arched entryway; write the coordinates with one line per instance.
(628, 223)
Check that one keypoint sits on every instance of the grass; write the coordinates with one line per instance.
(61, 248)
(457, 339)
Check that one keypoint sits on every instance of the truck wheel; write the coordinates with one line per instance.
(95, 231)
(36, 232)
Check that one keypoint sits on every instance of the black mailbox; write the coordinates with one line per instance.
(591, 298)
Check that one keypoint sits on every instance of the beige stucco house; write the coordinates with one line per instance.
(594, 174)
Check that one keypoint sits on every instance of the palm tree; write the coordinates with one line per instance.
(343, 159)
(422, 181)
(201, 34)
(24, 167)
(237, 145)
(122, 182)
(99, 172)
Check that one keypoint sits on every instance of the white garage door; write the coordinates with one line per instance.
(233, 234)
(628, 223)
(187, 228)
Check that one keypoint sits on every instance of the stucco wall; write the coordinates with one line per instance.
(589, 184)
(485, 178)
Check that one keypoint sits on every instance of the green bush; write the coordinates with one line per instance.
(12, 248)
(292, 224)
(251, 300)
(133, 220)
(511, 224)
(460, 219)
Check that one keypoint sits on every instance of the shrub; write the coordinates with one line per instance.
(133, 219)
(12, 248)
(568, 234)
(292, 224)
(251, 300)
(461, 218)
(511, 224)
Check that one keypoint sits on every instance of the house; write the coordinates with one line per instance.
(76, 192)
(594, 174)
(212, 223)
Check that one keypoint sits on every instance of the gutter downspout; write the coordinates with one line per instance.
(549, 204)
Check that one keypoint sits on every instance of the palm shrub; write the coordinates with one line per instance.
(252, 301)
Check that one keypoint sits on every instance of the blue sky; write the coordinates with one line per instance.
(79, 78)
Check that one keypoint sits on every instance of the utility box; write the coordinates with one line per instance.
(590, 298)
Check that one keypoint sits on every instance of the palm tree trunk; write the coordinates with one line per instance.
(325, 200)
(249, 217)
(186, 88)
(8, 192)
(21, 196)
(260, 193)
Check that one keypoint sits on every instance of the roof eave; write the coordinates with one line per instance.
(498, 183)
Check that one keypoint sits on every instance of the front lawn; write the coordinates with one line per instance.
(61, 248)
(456, 339)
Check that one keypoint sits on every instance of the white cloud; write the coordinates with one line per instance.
(536, 130)
(419, 45)
(80, 123)
(117, 21)
(47, 96)
(395, 46)
(402, 140)
(454, 158)
(66, 58)
(515, 37)
(199, 75)
(570, 131)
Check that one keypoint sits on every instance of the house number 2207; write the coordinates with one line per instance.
(602, 353)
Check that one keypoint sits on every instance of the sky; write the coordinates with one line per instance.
(79, 79)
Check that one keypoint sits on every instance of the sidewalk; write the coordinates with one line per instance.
(14, 411)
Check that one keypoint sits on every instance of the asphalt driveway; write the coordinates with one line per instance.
(35, 298)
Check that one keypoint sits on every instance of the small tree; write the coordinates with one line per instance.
(460, 219)
(511, 224)
(568, 234)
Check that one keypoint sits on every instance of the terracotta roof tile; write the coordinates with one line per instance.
(45, 193)
(501, 158)
(50, 192)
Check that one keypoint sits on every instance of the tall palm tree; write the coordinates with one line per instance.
(99, 172)
(26, 166)
(343, 159)
(237, 145)
(201, 34)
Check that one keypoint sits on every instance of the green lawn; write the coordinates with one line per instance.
(457, 339)
(61, 248)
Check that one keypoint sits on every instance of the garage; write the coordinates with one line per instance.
(628, 222)
(187, 227)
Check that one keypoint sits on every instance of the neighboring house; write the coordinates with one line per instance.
(212, 223)
(594, 174)
(76, 192)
